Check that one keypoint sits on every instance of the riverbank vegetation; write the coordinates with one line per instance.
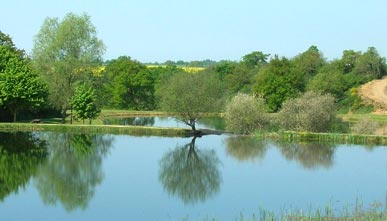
(301, 93)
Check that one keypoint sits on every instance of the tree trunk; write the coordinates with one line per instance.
(71, 114)
(14, 116)
(63, 116)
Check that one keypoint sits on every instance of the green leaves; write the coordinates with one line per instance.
(191, 95)
(64, 53)
(131, 84)
(84, 103)
(20, 87)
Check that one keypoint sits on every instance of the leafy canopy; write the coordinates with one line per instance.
(84, 103)
(191, 96)
(20, 87)
(64, 51)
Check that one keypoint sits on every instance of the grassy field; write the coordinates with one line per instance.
(381, 118)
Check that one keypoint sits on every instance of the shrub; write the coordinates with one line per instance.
(246, 114)
(365, 126)
(311, 112)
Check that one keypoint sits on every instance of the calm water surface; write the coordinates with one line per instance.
(203, 123)
(55, 176)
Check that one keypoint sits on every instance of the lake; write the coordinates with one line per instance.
(57, 176)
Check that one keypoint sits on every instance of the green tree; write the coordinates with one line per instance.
(278, 82)
(191, 96)
(236, 77)
(20, 87)
(371, 64)
(329, 82)
(131, 84)
(255, 59)
(311, 112)
(246, 114)
(309, 62)
(84, 103)
(190, 173)
(64, 51)
(349, 60)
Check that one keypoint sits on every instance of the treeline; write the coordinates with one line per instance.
(201, 64)
(65, 71)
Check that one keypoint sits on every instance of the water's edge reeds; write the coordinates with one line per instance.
(293, 136)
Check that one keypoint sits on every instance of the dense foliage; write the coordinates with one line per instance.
(310, 112)
(246, 114)
(191, 96)
(66, 52)
(130, 85)
(20, 87)
(84, 103)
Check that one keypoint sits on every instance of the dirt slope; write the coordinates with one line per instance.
(375, 92)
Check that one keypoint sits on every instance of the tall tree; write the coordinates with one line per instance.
(255, 59)
(131, 84)
(309, 62)
(371, 64)
(278, 82)
(63, 52)
(20, 87)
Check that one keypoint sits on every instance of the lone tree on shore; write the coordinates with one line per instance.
(190, 96)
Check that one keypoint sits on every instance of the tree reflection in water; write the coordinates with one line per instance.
(190, 173)
(246, 148)
(310, 155)
(73, 169)
(20, 155)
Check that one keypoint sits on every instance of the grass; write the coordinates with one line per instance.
(374, 212)
(333, 138)
(380, 118)
(99, 129)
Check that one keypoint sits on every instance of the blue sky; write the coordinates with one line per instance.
(158, 30)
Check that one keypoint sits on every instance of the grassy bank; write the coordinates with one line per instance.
(99, 129)
(380, 118)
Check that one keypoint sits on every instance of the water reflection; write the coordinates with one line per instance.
(310, 155)
(190, 173)
(20, 155)
(246, 148)
(216, 123)
(135, 121)
(73, 169)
